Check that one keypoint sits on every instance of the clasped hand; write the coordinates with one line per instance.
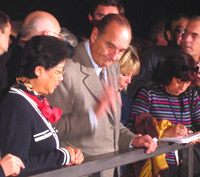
(76, 156)
(145, 141)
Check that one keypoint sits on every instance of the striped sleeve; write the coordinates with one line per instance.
(141, 104)
(66, 159)
(196, 111)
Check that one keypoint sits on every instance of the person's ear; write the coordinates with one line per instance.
(169, 36)
(94, 34)
(39, 70)
(46, 32)
(90, 18)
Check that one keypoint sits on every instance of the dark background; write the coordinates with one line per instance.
(72, 14)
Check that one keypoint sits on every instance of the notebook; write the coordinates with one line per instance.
(182, 140)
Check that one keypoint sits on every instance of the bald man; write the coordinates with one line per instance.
(39, 23)
(35, 23)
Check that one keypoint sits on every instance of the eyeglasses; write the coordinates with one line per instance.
(60, 36)
(59, 72)
(179, 31)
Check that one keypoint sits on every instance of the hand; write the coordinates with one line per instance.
(108, 100)
(11, 165)
(195, 141)
(177, 130)
(72, 155)
(78, 156)
(145, 141)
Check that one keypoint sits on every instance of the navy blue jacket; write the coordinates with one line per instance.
(26, 133)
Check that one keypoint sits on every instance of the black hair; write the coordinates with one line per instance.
(178, 64)
(170, 20)
(46, 51)
(173, 18)
(93, 5)
(4, 20)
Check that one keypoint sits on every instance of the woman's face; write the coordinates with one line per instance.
(49, 80)
(124, 80)
(176, 86)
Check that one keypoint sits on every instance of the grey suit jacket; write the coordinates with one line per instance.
(77, 93)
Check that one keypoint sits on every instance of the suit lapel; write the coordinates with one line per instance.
(112, 82)
(91, 80)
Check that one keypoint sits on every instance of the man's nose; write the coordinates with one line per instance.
(186, 37)
(115, 55)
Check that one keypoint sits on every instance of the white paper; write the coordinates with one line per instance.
(182, 140)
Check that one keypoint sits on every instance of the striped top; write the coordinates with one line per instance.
(156, 101)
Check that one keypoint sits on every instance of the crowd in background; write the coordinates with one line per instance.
(108, 89)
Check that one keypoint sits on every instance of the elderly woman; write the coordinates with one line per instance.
(25, 115)
(129, 67)
(172, 98)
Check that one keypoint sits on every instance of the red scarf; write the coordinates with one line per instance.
(52, 114)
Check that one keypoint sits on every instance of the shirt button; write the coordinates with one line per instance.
(112, 127)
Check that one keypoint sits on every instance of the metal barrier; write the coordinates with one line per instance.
(96, 164)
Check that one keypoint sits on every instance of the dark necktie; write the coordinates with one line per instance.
(102, 75)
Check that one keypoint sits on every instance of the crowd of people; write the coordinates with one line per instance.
(99, 87)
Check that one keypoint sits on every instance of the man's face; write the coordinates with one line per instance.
(108, 47)
(4, 39)
(191, 39)
(101, 11)
(178, 28)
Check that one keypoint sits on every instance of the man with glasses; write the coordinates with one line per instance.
(154, 57)
(191, 38)
(175, 28)
(191, 42)
(191, 45)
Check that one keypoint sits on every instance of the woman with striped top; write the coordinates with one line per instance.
(172, 98)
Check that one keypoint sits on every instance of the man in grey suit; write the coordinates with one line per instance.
(91, 109)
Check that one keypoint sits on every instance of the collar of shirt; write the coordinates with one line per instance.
(96, 67)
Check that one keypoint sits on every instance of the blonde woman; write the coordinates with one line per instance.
(129, 67)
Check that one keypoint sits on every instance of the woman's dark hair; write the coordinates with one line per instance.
(178, 64)
(46, 51)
